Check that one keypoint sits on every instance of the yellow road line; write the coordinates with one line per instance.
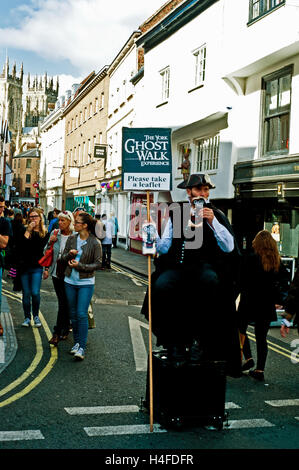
(34, 363)
(131, 275)
(270, 346)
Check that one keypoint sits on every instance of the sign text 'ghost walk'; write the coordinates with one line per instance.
(146, 159)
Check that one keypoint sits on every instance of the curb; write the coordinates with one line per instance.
(8, 341)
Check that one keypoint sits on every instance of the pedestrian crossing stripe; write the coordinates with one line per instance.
(293, 402)
(102, 409)
(20, 435)
(122, 430)
(248, 423)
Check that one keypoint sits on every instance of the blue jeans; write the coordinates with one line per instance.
(79, 298)
(31, 282)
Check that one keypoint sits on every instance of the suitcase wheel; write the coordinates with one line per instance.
(176, 422)
(215, 423)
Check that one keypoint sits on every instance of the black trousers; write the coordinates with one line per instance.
(62, 326)
(261, 329)
(189, 304)
(106, 256)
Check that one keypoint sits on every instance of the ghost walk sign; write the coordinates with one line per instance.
(146, 159)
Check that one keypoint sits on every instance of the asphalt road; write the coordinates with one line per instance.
(50, 401)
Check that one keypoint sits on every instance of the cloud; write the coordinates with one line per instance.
(87, 33)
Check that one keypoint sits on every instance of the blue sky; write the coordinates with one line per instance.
(69, 38)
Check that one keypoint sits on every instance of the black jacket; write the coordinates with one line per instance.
(261, 290)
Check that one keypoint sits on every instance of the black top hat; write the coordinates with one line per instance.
(197, 179)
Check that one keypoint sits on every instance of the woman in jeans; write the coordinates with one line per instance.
(264, 285)
(30, 250)
(83, 256)
(66, 228)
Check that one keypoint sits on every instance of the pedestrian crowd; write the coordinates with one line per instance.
(69, 250)
(195, 313)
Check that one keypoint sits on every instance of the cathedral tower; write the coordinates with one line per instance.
(11, 86)
(40, 97)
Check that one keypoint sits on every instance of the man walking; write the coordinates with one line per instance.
(107, 243)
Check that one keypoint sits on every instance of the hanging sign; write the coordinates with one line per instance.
(146, 159)
(100, 151)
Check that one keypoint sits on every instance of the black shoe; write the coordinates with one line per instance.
(257, 375)
(248, 365)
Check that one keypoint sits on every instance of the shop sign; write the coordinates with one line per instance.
(146, 159)
(100, 151)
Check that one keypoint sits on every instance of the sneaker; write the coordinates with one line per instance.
(75, 348)
(79, 354)
(26, 322)
(37, 322)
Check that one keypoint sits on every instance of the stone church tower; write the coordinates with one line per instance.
(40, 97)
(11, 99)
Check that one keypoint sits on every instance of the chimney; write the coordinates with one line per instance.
(61, 100)
(68, 94)
(75, 87)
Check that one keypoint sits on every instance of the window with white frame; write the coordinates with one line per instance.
(165, 78)
(84, 153)
(258, 8)
(79, 155)
(277, 110)
(96, 105)
(200, 65)
(102, 100)
(207, 153)
(89, 151)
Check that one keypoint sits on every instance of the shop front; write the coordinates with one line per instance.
(267, 197)
(83, 197)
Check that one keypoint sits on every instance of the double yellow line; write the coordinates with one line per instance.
(275, 347)
(32, 367)
(128, 274)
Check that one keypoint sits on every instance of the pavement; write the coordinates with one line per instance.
(133, 261)
(136, 263)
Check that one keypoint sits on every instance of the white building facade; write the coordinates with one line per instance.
(121, 113)
(223, 74)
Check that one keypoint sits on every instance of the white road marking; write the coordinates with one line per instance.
(229, 405)
(248, 423)
(120, 430)
(139, 349)
(102, 409)
(2, 351)
(294, 402)
(20, 435)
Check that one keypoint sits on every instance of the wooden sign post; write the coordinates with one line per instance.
(151, 391)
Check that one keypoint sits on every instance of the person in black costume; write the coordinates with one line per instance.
(264, 287)
(195, 284)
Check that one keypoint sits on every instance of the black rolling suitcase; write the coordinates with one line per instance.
(189, 394)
